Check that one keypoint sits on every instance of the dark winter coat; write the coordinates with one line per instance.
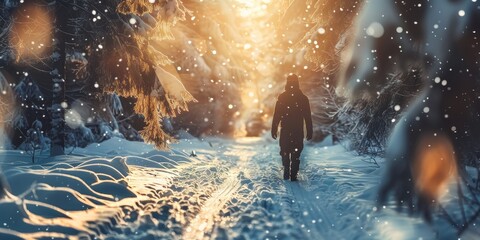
(291, 111)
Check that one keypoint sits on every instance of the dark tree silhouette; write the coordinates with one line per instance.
(436, 136)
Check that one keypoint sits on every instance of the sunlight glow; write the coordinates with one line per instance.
(253, 7)
(32, 33)
(254, 18)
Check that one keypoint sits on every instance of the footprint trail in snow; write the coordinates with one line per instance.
(231, 189)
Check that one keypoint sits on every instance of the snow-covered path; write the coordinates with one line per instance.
(231, 189)
(239, 194)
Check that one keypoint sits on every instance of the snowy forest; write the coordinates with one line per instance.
(151, 119)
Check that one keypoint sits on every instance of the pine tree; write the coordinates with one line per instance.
(119, 52)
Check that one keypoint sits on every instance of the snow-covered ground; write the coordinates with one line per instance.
(217, 188)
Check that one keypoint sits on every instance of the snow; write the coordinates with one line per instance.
(174, 89)
(230, 189)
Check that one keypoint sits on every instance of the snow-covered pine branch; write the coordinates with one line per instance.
(129, 64)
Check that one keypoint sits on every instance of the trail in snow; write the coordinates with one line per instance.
(202, 225)
(233, 189)
(240, 194)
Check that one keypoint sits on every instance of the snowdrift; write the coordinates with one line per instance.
(79, 195)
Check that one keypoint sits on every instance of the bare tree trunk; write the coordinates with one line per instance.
(57, 112)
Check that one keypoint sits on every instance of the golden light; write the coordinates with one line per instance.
(434, 166)
(253, 7)
(7, 104)
(31, 33)
(254, 18)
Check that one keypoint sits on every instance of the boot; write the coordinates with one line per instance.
(295, 168)
(286, 166)
(286, 173)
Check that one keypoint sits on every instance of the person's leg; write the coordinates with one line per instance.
(295, 159)
(285, 146)
(286, 165)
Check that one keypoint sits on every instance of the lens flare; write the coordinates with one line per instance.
(31, 33)
(434, 166)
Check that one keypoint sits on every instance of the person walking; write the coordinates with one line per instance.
(292, 113)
